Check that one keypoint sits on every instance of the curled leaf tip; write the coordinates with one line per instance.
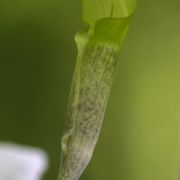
(108, 20)
(94, 10)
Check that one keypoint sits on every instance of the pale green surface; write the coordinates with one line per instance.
(96, 10)
(108, 20)
(139, 135)
(98, 54)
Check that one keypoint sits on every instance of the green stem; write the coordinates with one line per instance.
(88, 99)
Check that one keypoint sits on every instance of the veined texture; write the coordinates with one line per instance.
(88, 99)
(98, 53)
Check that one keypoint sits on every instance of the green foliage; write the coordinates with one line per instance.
(96, 10)
(108, 20)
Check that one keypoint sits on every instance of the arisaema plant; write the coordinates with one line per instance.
(106, 24)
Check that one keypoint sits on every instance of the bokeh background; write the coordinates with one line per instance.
(140, 138)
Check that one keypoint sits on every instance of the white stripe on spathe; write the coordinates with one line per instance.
(19, 162)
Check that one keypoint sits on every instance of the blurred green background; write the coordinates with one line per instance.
(139, 139)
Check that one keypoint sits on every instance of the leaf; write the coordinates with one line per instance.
(107, 21)
(95, 10)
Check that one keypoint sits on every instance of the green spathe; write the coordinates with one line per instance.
(98, 53)
(108, 20)
(111, 31)
(95, 10)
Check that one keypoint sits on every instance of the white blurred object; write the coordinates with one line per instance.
(21, 163)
